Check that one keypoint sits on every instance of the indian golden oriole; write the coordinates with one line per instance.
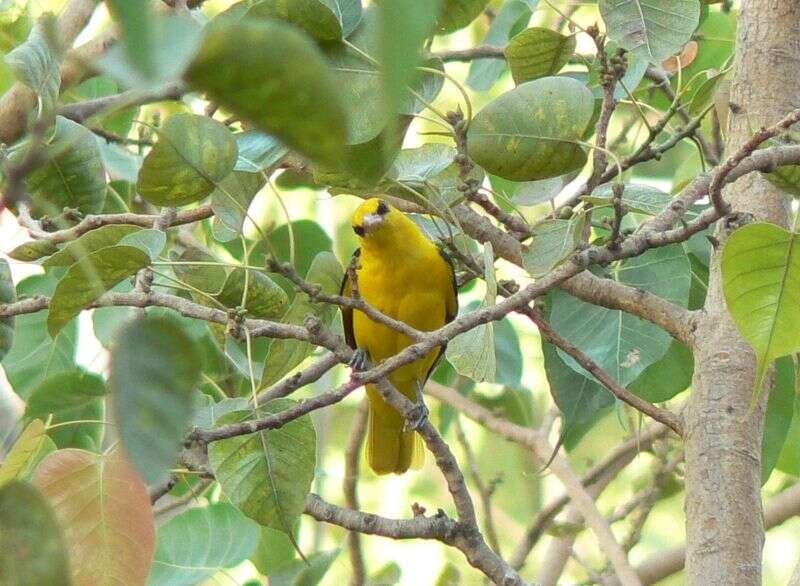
(407, 277)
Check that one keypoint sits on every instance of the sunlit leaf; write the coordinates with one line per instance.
(34, 550)
(33, 250)
(761, 281)
(652, 29)
(300, 105)
(90, 242)
(193, 153)
(538, 52)
(155, 367)
(198, 542)
(73, 395)
(531, 132)
(267, 474)
(89, 278)
(104, 509)
(27, 449)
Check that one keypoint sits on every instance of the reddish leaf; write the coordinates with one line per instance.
(104, 509)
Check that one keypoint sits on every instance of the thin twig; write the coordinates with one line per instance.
(352, 458)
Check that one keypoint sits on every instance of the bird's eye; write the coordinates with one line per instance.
(358, 230)
(382, 208)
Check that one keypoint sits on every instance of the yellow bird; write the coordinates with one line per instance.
(407, 277)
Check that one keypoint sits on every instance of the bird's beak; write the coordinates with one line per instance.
(372, 221)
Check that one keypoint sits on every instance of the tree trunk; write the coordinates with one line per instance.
(724, 525)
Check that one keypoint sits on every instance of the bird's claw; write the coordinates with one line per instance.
(360, 360)
(416, 418)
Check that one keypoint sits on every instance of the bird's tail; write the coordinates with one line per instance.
(389, 448)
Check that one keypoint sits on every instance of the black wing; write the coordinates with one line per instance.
(347, 312)
(451, 309)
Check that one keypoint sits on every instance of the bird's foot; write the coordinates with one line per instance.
(360, 360)
(417, 417)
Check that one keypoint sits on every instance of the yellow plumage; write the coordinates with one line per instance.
(404, 275)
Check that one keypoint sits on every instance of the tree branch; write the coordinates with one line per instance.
(352, 458)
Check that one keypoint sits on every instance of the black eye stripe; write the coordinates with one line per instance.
(358, 230)
(382, 208)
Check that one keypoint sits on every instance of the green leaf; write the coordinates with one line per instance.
(512, 17)
(34, 355)
(531, 132)
(89, 278)
(265, 299)
(704, 96)
(639, 198)
(538, 52)
(257, 151)
(529, 193)
(198, 542)
(90, 242)
(25, 451)
(786, 177)
(284, 355)
(388, 575)
(37, 61)
(34, 550)
(73, 395)
(104, 509)
(553, 241)
(300, 573)
(208, 278)
(325, 20)
(621, 344)
(360, 82)
(193, 153)
(508, 353)
(267, 474)
(472, 353)
(309, 238)
(8, 294)
(456, 14)
(404, 26)
(761, 282)
(431, 171)
(275, 551)
(150, 241)
(231, 199)
(174, 39)
(72, 175)
(155, 367)
(33, 250)
(789, 458)
(780, 409)
(651, 29)
(582, 401)
(667, 377)
(300, 105)
(136, 22)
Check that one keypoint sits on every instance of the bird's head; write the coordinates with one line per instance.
(372, 217)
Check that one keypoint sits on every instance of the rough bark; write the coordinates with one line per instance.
(724, 525)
